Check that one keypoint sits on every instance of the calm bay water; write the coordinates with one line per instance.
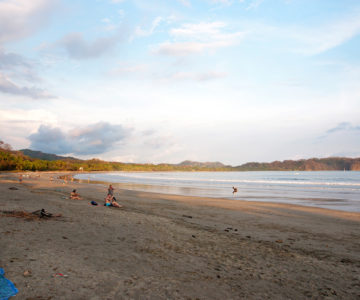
(329, 189)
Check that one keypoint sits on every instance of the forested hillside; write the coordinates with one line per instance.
(11, 160)
(313, 164)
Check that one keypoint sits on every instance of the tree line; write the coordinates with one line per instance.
(11, 160)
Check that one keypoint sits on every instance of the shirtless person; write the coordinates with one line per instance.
(74, 195)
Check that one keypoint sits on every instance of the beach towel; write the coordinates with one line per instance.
(7, 288)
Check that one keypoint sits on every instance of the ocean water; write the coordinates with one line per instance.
(328, 189)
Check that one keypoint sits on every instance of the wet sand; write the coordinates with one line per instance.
(172, 247)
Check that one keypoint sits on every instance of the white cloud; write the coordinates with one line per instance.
(226, 2)
(9, 60)
(149, 30)
(17, 66)
(343, 126)
(186, 3)
(111, 25)
(254, 4)
(308, 39)
(199, 30)
(92, 139)
(322, 38)
(146, 71)
(196, 38)
(9, 87)
(32, 116)
(121, 13)
(204, 76)
(146, 32)
(21, 18)
(186, 48)
(106, 20)
(17, 124)
(126, 69)
(78, 48)
(181, 49)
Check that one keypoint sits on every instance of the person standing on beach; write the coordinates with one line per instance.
(111, 191)
(110, 199)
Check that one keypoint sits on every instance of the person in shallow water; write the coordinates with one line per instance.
(234, 190)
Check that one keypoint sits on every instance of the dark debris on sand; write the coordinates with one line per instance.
(40, 214)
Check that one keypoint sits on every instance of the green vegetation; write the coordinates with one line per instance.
(11, 160)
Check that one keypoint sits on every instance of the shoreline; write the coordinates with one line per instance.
(188, 191)
(195, 199)
(229, 203)
(162, 246)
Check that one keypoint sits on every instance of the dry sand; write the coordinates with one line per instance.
(172, 247)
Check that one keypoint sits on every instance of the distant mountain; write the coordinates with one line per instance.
(312, 164)
(189, 163)
(19, 162)
(46, 156)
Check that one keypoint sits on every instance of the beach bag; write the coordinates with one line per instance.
(7, 288)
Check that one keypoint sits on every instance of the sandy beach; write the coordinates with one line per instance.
(171, 247)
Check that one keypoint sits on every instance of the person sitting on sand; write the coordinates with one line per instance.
(108, 199)
(111, 201)
(74, 195)
(114, 203)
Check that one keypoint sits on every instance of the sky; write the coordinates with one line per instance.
(162, 81)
